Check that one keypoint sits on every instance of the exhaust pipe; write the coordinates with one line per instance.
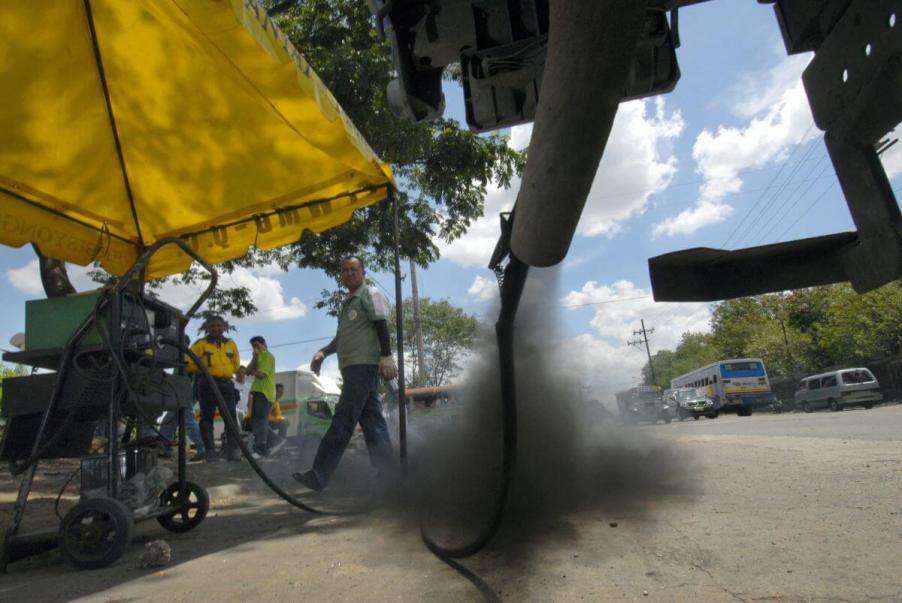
(591, 44)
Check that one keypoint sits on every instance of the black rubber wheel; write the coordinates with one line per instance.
(95, 533)
(190, 509)
(869, 406)
(834, 405)
(806, 407)
(696, 417)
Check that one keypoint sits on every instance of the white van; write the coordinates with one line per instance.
(836, 389)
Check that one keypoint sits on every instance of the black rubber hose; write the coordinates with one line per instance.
(232, 428)
(511, 289)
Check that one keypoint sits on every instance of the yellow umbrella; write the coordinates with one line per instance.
(126, 122)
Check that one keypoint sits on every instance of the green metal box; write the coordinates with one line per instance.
(50, 322)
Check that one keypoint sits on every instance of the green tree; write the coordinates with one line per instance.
(733, 324)
(443, 170)
(695, 350)
(859, 327)
(449, 334)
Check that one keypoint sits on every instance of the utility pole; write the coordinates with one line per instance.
(418, 327)
(792, 361)
(644, 333)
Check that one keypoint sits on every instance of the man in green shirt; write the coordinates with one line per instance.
(364, 354)
(263, 391)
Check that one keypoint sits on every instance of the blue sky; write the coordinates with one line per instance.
(681, 170)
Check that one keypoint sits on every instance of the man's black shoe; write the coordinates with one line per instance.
(309, 480)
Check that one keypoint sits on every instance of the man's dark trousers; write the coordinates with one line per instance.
(358, 404)
(207, 399)
(260, 421)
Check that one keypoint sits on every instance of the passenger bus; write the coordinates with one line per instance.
(739, 384)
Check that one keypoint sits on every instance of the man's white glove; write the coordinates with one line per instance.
(317, 362)
(387, 368)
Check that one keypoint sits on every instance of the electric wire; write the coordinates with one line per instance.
(773, 196)
(805, 213)
(764, 193)
(778, 216)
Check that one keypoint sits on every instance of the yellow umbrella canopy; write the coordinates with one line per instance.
(125, 122)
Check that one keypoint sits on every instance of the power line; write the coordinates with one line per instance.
(773, 180)
(607, 301)
(804, 213)
(778, 216)
(769, 203)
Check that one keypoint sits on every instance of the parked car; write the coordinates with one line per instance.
(838, 389)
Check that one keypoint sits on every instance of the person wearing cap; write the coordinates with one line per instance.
(364, 354)
(220, 356)
(263, 369)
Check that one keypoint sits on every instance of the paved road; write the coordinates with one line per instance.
(773, 507)
(852, 423)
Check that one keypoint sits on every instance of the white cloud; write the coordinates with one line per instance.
(603, 360)
(267, 294)
(623, 305)
(483, 289)
(265, 291)
(637, 163)
(27, 278)
(778, 118)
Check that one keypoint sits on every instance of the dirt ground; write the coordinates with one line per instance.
(762, 517)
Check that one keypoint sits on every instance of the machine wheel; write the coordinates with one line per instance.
(806, 407)
(744, 412)
(869, 406)
(713, 415)
(95, 533)
(190, 508)
(696, 417)
(834, 405)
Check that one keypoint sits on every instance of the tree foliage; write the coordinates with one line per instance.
(794, 333)
(443, 170)
(449, 334)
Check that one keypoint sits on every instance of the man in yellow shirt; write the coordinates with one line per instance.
(220, 356)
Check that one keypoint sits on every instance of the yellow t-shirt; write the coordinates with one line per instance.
(221, 358)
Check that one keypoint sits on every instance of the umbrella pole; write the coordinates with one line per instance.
(399, 338)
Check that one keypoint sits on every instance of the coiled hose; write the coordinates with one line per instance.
(511, 290)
